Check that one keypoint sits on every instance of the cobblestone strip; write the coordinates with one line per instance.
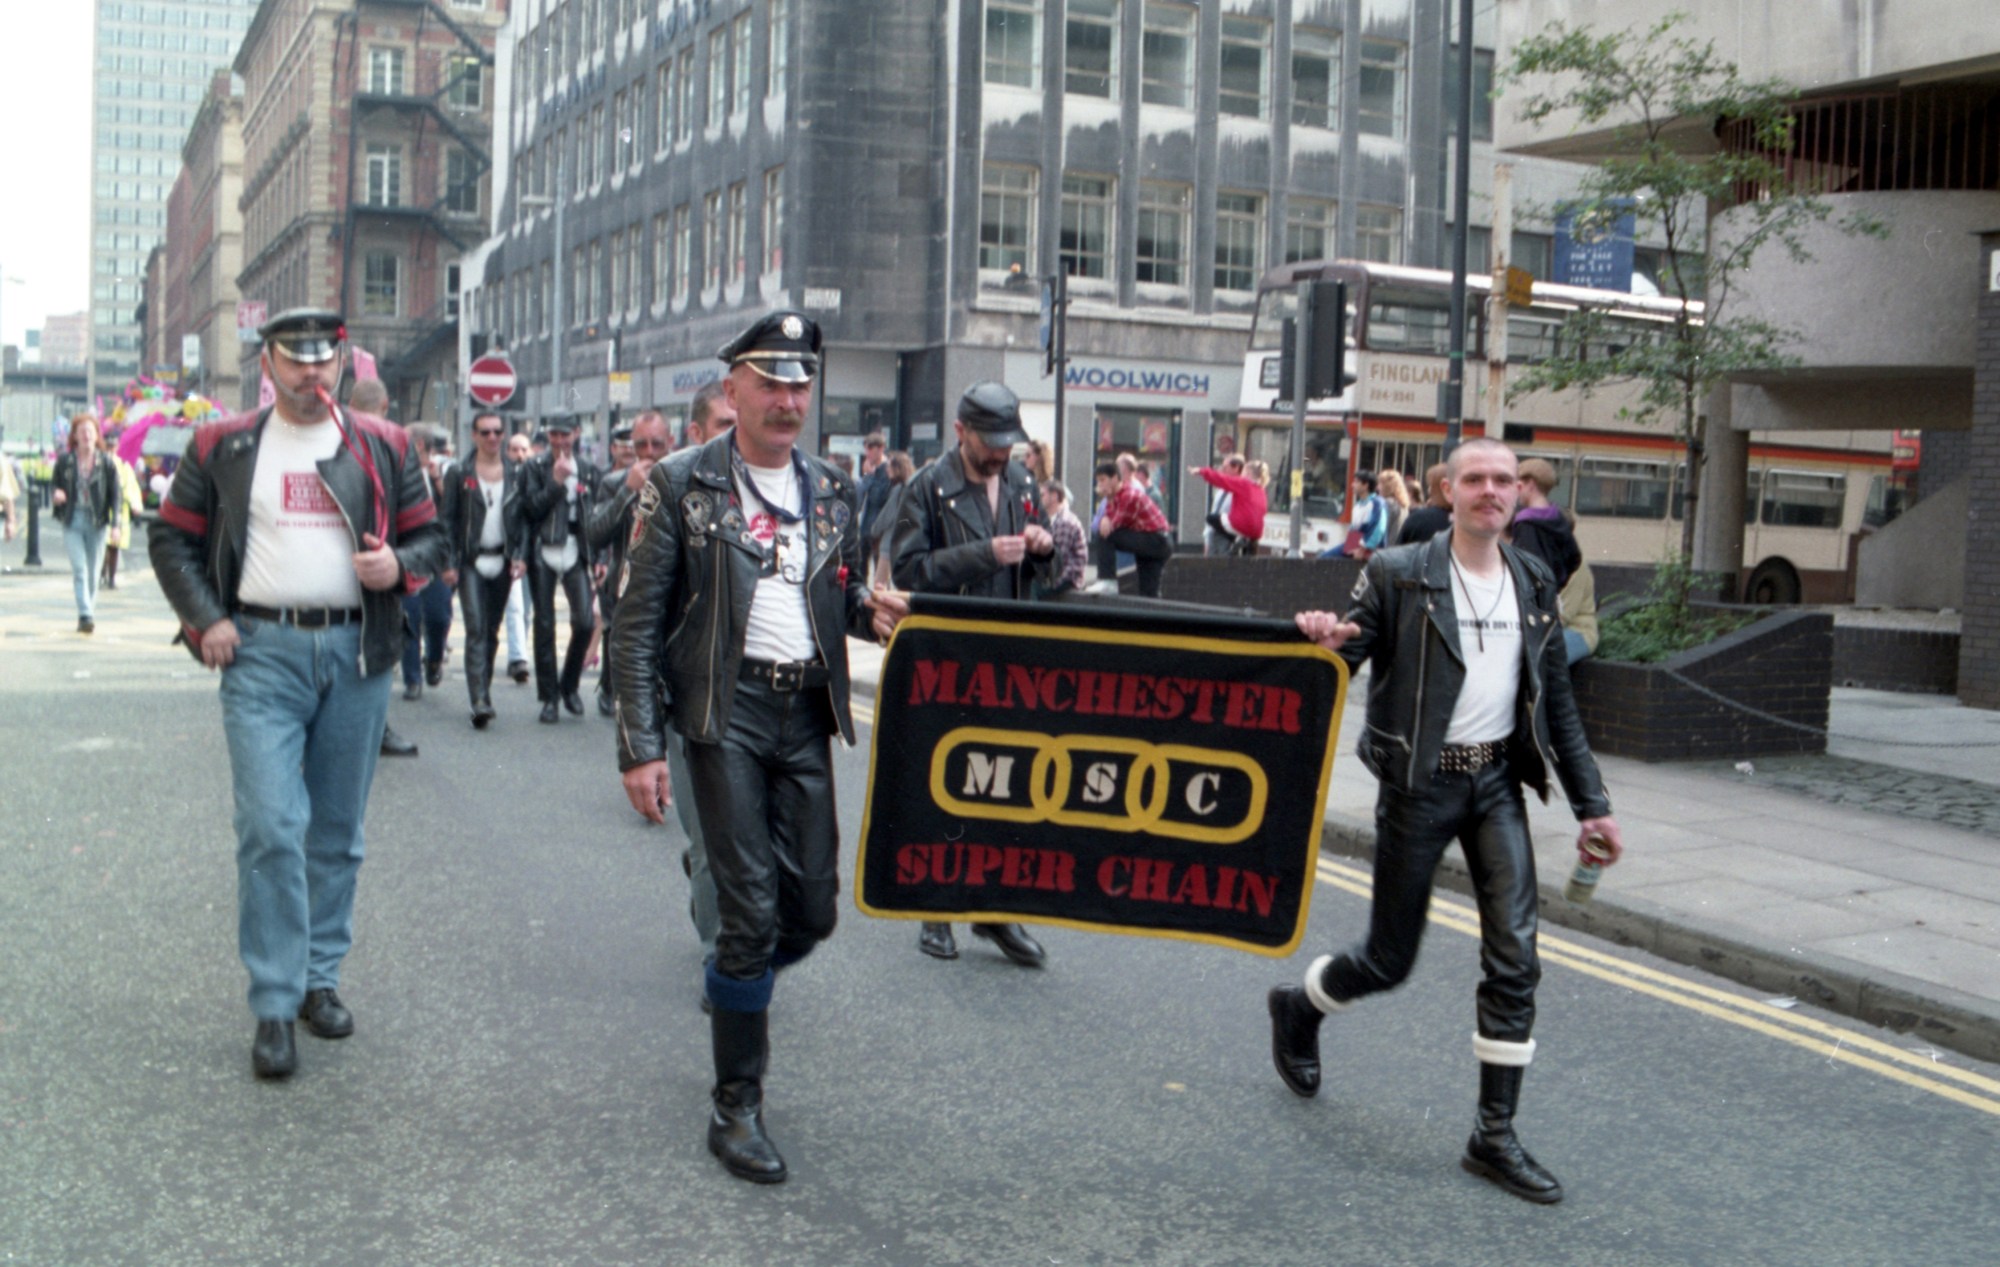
(1885, 789)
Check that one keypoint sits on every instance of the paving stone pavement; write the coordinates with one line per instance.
(1885, 789)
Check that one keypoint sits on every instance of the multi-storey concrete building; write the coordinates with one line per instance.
(65, 340)
(1898, 118)
(909, 170)
(365, 133)
(153, 65)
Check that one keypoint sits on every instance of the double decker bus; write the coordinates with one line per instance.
(1809, 496)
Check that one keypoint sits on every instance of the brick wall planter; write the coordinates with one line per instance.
(1781, 665)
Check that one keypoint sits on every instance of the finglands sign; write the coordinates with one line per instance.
(491, 379)
(1116, 773)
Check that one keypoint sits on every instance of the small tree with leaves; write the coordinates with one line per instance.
(1651, 85)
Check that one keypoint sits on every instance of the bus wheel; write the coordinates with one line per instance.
(1773, 581)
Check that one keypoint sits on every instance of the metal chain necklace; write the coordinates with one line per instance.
(1472, 604)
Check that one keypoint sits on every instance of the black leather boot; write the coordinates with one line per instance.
(1493, 1152)
(736, 1120)
(1295, 1038)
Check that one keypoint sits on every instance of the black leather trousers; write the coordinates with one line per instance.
(483, 603)
(765, 799)
(1484, 813)
(575, 585)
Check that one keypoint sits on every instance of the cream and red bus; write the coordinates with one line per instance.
(1809, 496)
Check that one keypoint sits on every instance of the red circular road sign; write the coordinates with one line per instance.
(491, 379)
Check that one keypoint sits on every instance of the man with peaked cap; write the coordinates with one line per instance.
(646, 440)
(482, 508)
(558, 489)
(285, 544)
(971, 523)
(742, 583)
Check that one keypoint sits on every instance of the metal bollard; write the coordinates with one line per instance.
(36, 488)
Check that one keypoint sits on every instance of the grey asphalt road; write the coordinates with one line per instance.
(527, 1084)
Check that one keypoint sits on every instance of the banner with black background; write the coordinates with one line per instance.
(1151, 773)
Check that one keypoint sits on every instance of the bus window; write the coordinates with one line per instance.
(1401, 319)
(1803, 499)
(1533, 338)
(1753, 483)
(1886, 500)
(1621, 489)
(1273, 306)
(1326, 467)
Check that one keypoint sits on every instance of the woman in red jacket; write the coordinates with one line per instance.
(1242, 513)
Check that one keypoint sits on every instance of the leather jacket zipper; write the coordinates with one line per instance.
(1423, 675)
(714, 638)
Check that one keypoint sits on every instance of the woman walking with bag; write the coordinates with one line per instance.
(86, 500)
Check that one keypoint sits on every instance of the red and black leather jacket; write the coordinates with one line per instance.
(198, 545)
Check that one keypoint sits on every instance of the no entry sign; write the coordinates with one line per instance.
(491, 380)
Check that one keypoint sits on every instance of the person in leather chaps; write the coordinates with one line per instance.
(1468, 699)
(743, 581)
(558, 490)
(482, 508)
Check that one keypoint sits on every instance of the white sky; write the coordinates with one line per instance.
(45, 155)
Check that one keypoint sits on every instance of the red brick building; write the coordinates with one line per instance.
(203, 251)
(366, 127)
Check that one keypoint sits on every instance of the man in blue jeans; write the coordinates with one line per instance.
(285, 544)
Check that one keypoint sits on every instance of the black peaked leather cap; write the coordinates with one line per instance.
(994, 412)
(783, 345)
(310, 335)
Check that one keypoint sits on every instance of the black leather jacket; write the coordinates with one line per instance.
(103, 474)
(943, 535)
(544, 502)
(677, 638)
(462, 507)
(1409, 639)
(610, 522)
(197, 546)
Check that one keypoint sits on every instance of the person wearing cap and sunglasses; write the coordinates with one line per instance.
(742, 583)
(646, 439)
(970, 523)
(285, 544)
(482, 504)
(558, 489)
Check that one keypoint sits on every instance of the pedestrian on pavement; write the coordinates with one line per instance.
(1579, 613)
(85, 498)
(10, 493)
(482, 510)
(428, 611)
(119, 537)
(1395, 501)
(1071, 554)
(1469, 698)
(647, 440)
(1239, 488)
(880, 562)
(558, 490)
(1431, 518)
(874, 488)
(519, 451)
(743, 583)
(1040, 460)
(1131, 522)
(284, 545)
(971, 524)
(1541, 527)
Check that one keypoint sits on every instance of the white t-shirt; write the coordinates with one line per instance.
(779, 627)
(563, 557)
(490, 534)
(300, 552)
(1489, 636)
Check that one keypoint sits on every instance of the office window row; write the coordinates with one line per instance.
(572, 31)
(1168, 69)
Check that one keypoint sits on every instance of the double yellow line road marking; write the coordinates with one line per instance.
(1922, 1069)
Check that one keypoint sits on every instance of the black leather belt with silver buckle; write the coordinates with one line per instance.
(787, 675)
(303, 617)
(1470, 758)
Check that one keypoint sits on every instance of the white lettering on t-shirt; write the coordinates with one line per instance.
(1489, 636)
(300, 552)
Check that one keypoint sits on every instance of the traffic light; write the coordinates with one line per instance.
(1326, 359)
(1288, 343)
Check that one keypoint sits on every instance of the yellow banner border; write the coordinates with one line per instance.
(1125, 638)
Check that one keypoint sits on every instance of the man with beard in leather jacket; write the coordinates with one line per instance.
(743, 582)
(971, 523)
(285, 545)
(1468, 698)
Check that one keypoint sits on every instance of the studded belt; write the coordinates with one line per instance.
(787, 675)
(1470, 758)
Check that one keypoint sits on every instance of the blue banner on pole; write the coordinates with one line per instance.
(1594, 247)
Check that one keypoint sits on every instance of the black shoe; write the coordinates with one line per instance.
(605, 706)
(549, 713)
(434, 673)
(413, 690)
(1493, 1153)
(1014, 942)
(736, 1136)
(519, 672)
(573, 702)
(482, 712)
(273, 1054)
(325, 1015)
(936, 941)
(85, 624)
(394, 745)
(1295, 1038)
